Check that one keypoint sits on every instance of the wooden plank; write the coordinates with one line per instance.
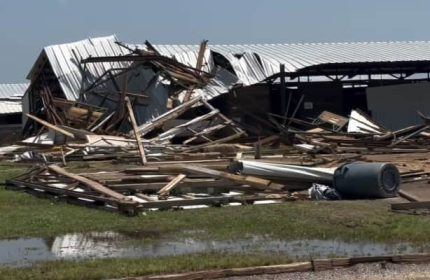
(213, 200)
(167, 135)
(411, 205)
(203, 185)
(164, 192)
(90, 184)
(315, 265)
(408, 196)
(136, 132)
(62, 191)
(332, 118)
(172, 114)
(199, 66)
(51, 126)
(231, 272)
(204, 132)
(164, 204)
(90, 201)
(201, 54)
(245, 180)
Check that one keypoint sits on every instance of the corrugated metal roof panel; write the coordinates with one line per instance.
(65, 61)
(13, 91)
(245, 59)
(221, 83)
(10, 107)
(297, 56)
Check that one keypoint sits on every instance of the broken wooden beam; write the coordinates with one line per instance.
(256, 182)
(172, 114)
(96, 186)
(212, 200)
(51, 126)
(135, 130)
(164, 192)
(169, 134)
(201, 54)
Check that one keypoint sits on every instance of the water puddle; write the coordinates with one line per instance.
(25, 252)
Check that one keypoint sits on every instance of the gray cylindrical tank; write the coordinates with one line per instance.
(367, 180)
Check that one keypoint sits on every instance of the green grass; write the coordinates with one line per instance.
(23, 215)
(115, 268)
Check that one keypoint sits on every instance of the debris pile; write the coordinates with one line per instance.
(190, 154)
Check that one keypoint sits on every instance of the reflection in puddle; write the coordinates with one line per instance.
(24, 252)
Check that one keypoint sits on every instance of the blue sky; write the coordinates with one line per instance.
(27, 26)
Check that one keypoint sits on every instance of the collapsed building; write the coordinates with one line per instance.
(247, 81)
(222, 124)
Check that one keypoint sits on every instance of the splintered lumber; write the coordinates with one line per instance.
(231, 272)
(244, 180)
(164, 192)
(20, 183)
(224, 118)
(135, 129)
(212, 200)
(401, 139)
(314, 265)
(218, 141)
(199, 66)
(178, 129)
(90, 184)
(172, 114)
(202, 185)
(201, 54)
(51, 126)
(204, 132)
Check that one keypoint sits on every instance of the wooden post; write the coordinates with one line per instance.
(135, 129)
(201, 54)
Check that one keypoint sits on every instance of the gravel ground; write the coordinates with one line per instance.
(374, 271)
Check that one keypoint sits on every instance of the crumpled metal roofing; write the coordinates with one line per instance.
(11, 96)
(252, 63)
(65, 61)
(297, 56)
(13, 91)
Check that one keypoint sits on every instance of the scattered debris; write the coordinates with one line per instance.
(135, 105)
(323, 192)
